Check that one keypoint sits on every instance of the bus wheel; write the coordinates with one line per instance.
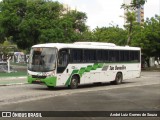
(118, 79)
(74, 82)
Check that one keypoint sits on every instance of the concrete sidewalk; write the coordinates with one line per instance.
(5, 81)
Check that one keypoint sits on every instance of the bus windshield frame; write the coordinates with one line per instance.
(42, 59)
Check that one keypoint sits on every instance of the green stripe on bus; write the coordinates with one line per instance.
(69, 79)
(88, 69)
(100, 65)
(95, 66)
(83, 70)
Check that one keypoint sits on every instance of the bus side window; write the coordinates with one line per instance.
(63, 58)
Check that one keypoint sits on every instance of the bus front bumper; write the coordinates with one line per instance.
(49, 81)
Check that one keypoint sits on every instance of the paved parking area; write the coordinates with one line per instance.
(141, 98)
(140, 94)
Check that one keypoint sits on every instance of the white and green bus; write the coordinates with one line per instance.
(58, 64)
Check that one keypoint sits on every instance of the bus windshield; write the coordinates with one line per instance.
(42, 59)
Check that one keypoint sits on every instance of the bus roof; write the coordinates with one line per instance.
(87, 45)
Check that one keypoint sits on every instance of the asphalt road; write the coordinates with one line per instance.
(140, 94)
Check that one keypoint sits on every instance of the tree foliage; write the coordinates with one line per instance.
(130, 16)
(135, 4)
(112, 34)
(7, 48)
(148, 37)
(130, 22)
(30, 22)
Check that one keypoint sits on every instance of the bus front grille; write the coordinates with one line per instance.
(36, 76)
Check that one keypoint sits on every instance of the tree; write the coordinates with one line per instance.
(135, 4)
(130, 16)
(112, 34)
(87, 36)
(73, 25)
(148, 37)
(152, 35)
(130, 22)
(31, 22)
(11, 13)
(7, 48)
(39, 24)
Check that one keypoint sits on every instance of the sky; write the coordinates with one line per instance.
(105, 13)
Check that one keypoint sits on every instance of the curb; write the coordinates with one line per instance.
(9, 78)
(8, 81)
(10, 84)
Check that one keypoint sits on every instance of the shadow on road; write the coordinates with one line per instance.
(94, 85)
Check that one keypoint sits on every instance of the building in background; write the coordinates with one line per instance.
(139, 12)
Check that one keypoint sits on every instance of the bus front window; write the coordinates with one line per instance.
(42, 59)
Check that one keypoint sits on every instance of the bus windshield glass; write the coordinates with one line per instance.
(42, 59)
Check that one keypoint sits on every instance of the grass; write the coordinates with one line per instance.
(19, 64)
(21, 69)
(14, 74)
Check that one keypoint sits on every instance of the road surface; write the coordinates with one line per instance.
(139, 94)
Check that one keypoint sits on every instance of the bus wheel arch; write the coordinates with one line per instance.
(75, 80)
(118, 78)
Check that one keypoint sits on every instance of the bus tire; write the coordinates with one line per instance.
(74, 82)
(118, 79)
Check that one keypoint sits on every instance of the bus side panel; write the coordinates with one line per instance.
(128, 70)
(133, 70)
(78, 69)
(94, 72)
